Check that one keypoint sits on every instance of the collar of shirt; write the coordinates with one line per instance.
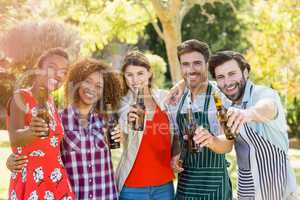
(95, 120)
(73, 110)
(198, 103)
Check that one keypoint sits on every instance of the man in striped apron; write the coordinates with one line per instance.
(204, 175)
(264, 171)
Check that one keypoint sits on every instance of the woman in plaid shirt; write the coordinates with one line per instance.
(86, 154)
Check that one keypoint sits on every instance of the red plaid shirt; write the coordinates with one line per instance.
(87, 157)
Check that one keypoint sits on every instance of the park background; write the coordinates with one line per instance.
(266, 32)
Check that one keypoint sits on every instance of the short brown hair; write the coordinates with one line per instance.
(112, 84)
(193, 45)
(223, 56)
(51, 52)
(136, 58)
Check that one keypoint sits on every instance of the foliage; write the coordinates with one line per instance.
(293, 118)
(34, 38)
(59, 98)
(101, 22)
(224, 31)
(275, 51)
(275, 44)
(159, 68)
(6, 88)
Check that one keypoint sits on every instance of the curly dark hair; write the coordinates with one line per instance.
(112, 83)
(223, 56)
(58, 51)
(136, 58)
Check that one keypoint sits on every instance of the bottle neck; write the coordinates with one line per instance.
(140, 97)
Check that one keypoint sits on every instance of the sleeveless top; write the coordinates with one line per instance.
(44, 177)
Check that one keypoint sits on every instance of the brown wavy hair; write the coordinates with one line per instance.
(112, 83)
(136, 58)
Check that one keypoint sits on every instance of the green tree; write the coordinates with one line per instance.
(171, 14)
(215, 24)
(101, 22)
(159, 68)
(275, 44)
(275, 51)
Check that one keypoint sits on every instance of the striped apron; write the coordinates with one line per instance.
(262, 167)
(205, 175)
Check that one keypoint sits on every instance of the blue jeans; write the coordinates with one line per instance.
(162, 192)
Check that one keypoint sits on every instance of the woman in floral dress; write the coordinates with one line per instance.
(44, 176)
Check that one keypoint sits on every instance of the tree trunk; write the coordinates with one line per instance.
(172, 38)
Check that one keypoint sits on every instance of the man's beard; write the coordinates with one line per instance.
(241, 90)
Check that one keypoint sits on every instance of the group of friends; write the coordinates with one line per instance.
(74, 161)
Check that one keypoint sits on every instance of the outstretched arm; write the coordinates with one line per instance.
(218, 144)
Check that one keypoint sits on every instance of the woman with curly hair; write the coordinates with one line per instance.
(86, 154)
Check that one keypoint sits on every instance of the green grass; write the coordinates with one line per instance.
(294, 156)
(4, 173)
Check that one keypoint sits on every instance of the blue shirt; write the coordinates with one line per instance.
(275, 131)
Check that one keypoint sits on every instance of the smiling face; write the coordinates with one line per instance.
(194, 69)
(91, 88)
(231, 80)
(137, 77)
(53, 72)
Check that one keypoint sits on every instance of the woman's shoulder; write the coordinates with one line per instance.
(23, 92)
(160, 94)
(22, 97)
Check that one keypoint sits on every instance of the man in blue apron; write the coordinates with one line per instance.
(204, 175)
(264, 171)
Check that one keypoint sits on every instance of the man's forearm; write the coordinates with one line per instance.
(221, 145)
(263, 111)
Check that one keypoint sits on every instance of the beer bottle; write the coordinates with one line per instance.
(222, 117)
(138, 124)
(42, 107)
(190, 130)
(111, 123)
